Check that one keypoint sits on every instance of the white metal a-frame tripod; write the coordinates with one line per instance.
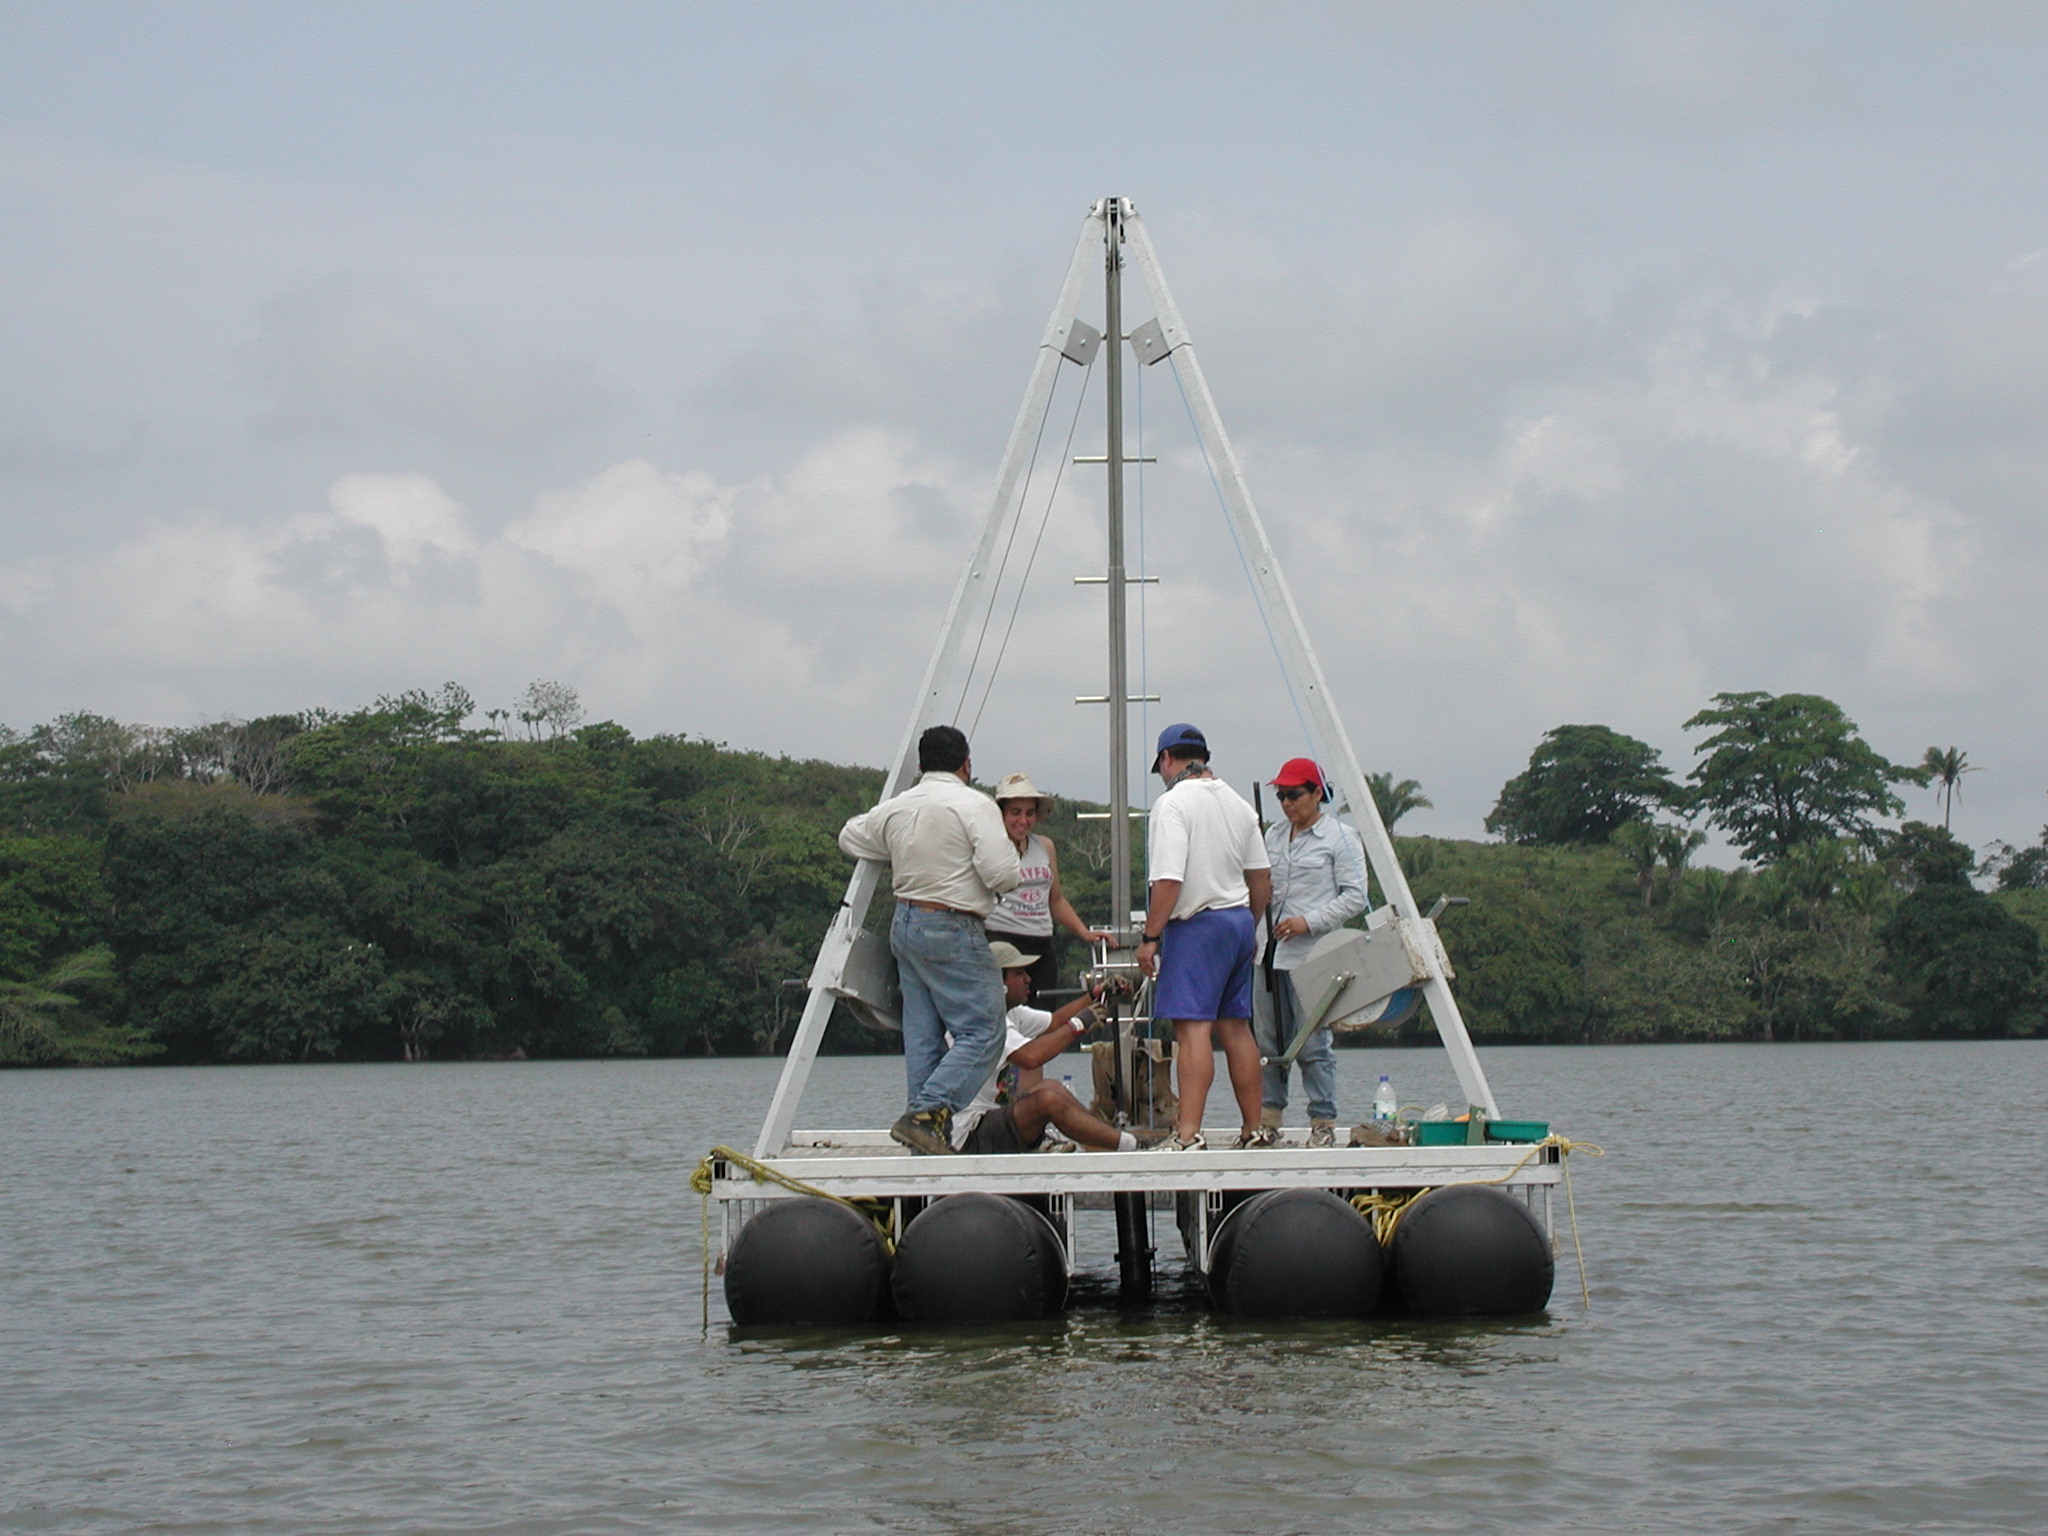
(1111, 234)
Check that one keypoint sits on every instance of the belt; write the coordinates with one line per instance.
(934, 906)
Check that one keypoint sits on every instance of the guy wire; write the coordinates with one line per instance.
(1244, 562)
(1024, 581)
(1016, 522)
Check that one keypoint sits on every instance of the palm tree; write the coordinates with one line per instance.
(1396, 800)
(1946, 766)
(1637, 842)
(1676, 846)
(1645, 845)
(46, 1020)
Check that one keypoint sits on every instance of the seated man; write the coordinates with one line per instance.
(1032, 1038)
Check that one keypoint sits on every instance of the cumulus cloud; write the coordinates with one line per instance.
(412, 515)
(1500, 511)
(637, 534)
(673, 600)
(1695, 503)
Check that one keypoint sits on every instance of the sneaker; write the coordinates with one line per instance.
(1174, 1144)
(929, 1131)
(1323, 1133)
(1264, 1136)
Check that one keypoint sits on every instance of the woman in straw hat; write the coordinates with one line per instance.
(1025, 916)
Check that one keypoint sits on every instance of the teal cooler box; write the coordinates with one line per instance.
(1472, 1133)
(1441, 1133)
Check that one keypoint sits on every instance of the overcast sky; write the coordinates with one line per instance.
(1587, 360)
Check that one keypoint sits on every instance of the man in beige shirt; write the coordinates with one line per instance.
(951, 859)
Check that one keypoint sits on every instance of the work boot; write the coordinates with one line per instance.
(1322, 1133)
(1272, 1116)
(929, 1131)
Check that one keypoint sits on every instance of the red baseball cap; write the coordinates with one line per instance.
(1299, 770)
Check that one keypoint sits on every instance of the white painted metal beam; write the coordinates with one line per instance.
(1332, 744)
(888, 1176)
(968, 593)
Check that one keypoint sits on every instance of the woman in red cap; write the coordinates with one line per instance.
(1318, 885)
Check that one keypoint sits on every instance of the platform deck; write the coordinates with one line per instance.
(858, 1165)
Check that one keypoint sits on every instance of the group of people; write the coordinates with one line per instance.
(978, 894)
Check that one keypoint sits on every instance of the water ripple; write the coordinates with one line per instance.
(465, 1299)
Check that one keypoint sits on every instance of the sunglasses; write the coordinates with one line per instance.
(1290, 795)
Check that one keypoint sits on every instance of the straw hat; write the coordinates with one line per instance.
(1018, 786)
(1008, 956)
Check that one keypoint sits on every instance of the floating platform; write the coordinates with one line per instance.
(845, 1226)
(1199, 1189)
(867, 1165)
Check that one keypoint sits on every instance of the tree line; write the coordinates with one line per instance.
(394, 883)
(1589, 923)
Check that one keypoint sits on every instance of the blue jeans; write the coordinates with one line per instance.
(950, 986)
(1318, 1058)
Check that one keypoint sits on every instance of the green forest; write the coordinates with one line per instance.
(397, 883)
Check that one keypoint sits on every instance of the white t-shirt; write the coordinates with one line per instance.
(1203, 834)
(1021, 1025)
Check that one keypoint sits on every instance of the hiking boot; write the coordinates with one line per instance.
(1264, 1136)
(1272, 1116)
(1322, 1133)
(1175, 1144)
(929, 1131)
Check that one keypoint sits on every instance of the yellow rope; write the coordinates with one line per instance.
(1385, 1211)
(1564, 1149)
(1572, 1205)
(704, 1248)
(875, 1212)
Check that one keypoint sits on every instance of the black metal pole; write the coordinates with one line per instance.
(1133, 1249)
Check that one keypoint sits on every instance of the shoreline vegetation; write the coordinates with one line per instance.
(396, 883)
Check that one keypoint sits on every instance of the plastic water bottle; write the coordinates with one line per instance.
(1067, 1082)
(1383, 1103)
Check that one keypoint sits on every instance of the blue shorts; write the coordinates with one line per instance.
(1205, 966)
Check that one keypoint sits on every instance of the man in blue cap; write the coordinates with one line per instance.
(1211, 880)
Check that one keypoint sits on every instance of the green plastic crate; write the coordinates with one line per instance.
(1441, 1133)
(1517, 1130)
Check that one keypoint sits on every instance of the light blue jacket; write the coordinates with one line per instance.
(1318, 875)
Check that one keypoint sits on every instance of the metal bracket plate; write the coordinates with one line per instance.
(1151, 343)
(1079, 342)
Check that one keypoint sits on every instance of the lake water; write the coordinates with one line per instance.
(464, 1298)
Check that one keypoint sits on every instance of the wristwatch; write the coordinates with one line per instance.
(1151, 938)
